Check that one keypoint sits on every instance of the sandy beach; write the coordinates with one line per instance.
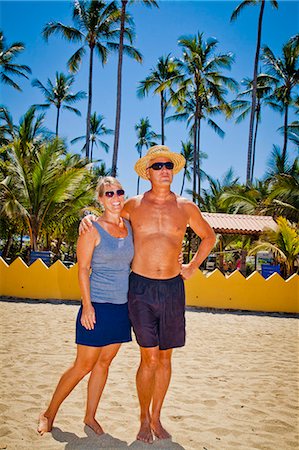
(234, 385)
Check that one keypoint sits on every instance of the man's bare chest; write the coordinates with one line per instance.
(156, 219)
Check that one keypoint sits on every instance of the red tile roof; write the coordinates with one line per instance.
(239, 223)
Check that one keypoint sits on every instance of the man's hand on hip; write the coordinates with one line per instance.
(188, 270)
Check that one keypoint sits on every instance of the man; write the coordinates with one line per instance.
(156, 292)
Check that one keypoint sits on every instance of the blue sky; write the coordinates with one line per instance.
(157, 33)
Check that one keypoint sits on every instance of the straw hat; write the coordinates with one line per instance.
(155, 152)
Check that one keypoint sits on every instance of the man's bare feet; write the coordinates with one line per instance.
(44, 425)
(94, 425)
(145, 433)
(158, 430)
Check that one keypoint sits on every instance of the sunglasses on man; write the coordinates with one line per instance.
(111, 194)
(158, 165)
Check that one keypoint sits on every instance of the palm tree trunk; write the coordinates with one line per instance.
(254, 85)
(119, 83)
(195, 149)
(198, 159)
(184, 176)
(254, 144)
(57, 120)
(7, 245)
(285, 133)
(138, 179)
(162, 117)
(91, 150)
(89, 102)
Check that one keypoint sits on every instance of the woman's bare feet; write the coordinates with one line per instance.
(158, 430)
(94, 425)
(145, 433)
(44, 424)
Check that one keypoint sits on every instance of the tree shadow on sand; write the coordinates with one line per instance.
(92, 441)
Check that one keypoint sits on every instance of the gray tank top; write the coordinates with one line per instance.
(110, 264)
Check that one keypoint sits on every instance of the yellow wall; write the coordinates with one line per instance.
(214, 290)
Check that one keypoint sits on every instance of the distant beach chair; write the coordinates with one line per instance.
(45, 256)
(268, 269)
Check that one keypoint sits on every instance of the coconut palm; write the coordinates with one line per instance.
(283, 243)
(239, 199)
(42, 187)
(286, 70)
(161, 79)
(185, 111)
(7, 127)
(243, 107)
(278, 164)
(234, 16)
(137, 56)
(59, 95)
(97, 130)
(95, 26)
(146, 138)
(187, 152)
(203, 87)
(8, 67)
(211, 196)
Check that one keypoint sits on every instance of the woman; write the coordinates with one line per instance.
(102, 322)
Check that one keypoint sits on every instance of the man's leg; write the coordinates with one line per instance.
(162, 380)
(85, 360)
(145, 380)
(96, 384)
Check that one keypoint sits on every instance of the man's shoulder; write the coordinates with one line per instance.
(134, 200)
(185, 201)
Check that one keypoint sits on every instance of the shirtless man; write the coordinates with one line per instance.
(156, 293)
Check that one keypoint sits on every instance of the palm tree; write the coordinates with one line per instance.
(7, 127)
(239, 199)
(187, 152)
(264, 87)
(284, 243)
(97, 130)
(203, 89)
(7, 67)
(43, 187)
(234, 16)
(146, 138)
(95, 26)
(59, 94)
(161, 78)
(137, 56)
(211, 196)
(286, 71)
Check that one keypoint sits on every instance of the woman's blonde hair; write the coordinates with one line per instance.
(104, 181)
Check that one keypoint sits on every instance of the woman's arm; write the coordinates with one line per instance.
(85, 247)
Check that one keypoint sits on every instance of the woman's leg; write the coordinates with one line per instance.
(96, 384)
(85, 360)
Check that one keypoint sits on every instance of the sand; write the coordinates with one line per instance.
(234, 384)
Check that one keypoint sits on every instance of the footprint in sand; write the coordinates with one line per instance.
(209, 402)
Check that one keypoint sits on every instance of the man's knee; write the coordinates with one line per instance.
(165, 358)
(150, 360)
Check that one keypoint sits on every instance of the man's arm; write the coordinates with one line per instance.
(208, 238)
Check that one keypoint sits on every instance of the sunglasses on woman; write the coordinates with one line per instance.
(158, 165)
(111, 194)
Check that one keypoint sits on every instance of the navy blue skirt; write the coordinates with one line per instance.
(112, 326)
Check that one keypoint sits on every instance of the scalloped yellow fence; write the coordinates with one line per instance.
(214, 290)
